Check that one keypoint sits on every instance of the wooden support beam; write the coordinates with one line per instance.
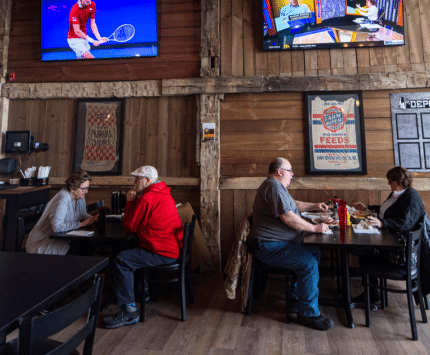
(210, 51)
(322, 183)
(210, 198)
(218, 85)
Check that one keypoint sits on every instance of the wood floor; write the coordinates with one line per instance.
(216, 326)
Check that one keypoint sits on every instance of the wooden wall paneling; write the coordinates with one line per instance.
(323, 61)
(179, 29)
(250, 197)
(175, 125)
(227, 223)
(374, 198)
(425, 31)
(402, 52)
(240, 208)
(336, 62)
(302, 195)
(189, 166)
(249, 26)
(390, 59)
(152, 132)
(311, 62)
(163, 135)
(285, 65)
(413, 21)
(362, 196)
(363, 60)
(376, 60)
(226, 36)
(237, 38)
(298, 63)
(273, 63)
(350, 60)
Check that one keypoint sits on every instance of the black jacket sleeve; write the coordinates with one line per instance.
(405, 213)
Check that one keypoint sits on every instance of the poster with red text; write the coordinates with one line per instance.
(335, 134)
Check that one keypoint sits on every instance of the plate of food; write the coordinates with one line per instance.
(361, 214)
(331, 222)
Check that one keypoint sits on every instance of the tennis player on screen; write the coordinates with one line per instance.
(77, 37)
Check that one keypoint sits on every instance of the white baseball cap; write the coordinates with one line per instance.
(146, 171)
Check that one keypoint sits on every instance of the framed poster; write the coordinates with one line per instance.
(336, 139)
(98, 140)
(410, 115)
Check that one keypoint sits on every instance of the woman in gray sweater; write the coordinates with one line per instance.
(66, 211)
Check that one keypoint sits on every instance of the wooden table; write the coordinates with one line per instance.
(32, 282)
(347, 240)
(114, 234)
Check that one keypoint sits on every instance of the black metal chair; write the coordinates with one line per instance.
(182, 266)
(26, 220)
(410, 273)
(258, 281)
(34, 332)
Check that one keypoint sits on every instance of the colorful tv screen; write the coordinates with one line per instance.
(302, 24)
(84, 29)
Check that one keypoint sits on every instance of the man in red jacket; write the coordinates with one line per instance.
(152, 215)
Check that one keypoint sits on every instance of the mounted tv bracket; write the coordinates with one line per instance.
(37, 146)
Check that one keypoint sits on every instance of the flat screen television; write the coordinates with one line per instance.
(307, 24)
(18, 142)
(130, 27)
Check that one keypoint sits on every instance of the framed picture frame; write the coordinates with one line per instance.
(335, 133)
(99, 136)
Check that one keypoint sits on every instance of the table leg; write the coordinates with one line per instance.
(346, 290)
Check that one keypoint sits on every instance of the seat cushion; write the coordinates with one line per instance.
(386, 270)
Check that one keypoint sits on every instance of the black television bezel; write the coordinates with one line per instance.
(8, 138)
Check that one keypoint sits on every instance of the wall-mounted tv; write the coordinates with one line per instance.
(303, 24)
(85, 29)
(18, 142)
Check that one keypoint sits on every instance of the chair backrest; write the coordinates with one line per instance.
(34, 331)
(94, 206)
(413, 244)
(26, 220)
(187, 242)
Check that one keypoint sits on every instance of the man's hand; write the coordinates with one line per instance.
(131, 195)
(321, 228)
(89, 221)
(103, 40)
(321, 207)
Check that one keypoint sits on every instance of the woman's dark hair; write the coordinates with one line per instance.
(401, 176)
(275, 165)
(76, 179)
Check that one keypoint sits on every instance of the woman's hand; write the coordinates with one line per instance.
(375, 222)
(89, 221)
(360, 206)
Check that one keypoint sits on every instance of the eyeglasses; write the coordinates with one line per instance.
(84, 188)
(289, 170)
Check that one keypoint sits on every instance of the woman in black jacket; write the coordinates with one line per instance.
(400, 212)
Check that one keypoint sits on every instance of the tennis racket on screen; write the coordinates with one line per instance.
(123, 33)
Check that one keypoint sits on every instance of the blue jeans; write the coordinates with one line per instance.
(301, 259)
(126, 263)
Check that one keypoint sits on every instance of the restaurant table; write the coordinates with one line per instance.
(113, 233)
(30, 283)
(346, 240)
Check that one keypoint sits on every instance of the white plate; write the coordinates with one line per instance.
(315, 220)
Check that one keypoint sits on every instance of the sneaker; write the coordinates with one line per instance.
(126, 315)
(318, 323)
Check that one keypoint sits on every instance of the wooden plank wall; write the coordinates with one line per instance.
(242, 47)
(255, 128)
(158, 131)
(179, 35)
